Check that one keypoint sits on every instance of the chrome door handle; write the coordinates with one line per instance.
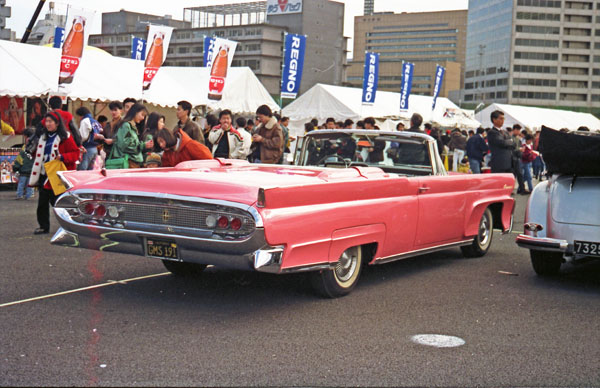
(423, 189)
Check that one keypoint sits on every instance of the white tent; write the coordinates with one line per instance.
(323, 101)
(25, 69)
(28, 71)
(533, 118)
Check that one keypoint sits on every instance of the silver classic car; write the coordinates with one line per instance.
(562, 220)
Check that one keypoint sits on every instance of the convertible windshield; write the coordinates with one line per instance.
(398, 154)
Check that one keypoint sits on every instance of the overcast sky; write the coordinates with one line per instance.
(22, 10)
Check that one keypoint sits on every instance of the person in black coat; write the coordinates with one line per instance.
(476, 150)
(501, 144)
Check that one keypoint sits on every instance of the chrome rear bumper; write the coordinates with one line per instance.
(542, 243)
(252, 253)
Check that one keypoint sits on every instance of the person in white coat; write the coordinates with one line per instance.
(227, 141)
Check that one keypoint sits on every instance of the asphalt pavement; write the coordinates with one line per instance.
(137, 325)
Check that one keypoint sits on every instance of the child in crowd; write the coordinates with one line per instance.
(23, 165)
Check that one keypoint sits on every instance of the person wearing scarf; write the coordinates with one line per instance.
(54, 143)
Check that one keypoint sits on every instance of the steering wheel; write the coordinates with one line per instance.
(329, 156)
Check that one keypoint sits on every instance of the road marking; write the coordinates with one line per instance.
(437, 340)
(108, 283)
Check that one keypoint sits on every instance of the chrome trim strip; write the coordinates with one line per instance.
(542, 243)
(312, 267)
(248, 208)
(423, 251)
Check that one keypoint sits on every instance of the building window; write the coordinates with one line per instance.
(535, 69)
(411, 46)
(536, 42)
(468, 97)
(574, 84)
(399, 53)
(400, 40)
(536, 56)
(416, 32)
(538, 16)
(577, 31)
(534, 95)
(502, 81)
(576, 45)
(540, 3)
(579, 5)
(574, 71)
(253, 64)
(573, 97)
(534, 82)
(183, 50)
(501, 94)
(595, 97)
(538, 30)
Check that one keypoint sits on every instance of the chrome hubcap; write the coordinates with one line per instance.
(484, 231)
(346, 266)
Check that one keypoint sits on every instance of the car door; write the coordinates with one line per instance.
(442, 207)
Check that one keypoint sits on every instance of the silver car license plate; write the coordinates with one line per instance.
(587, 248)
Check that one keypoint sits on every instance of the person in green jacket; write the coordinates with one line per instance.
(23, 165)
(128, 141)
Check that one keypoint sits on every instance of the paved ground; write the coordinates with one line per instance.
(233, 328)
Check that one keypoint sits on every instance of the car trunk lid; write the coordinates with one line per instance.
(576, 200)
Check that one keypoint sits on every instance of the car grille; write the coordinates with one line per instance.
(167, 213)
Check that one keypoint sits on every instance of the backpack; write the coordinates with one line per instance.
(96, 129)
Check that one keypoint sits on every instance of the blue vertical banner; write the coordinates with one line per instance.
(370, 77)
(138, 49)
(407, 75)
(293, 62)
(59, 37)
(209, 47)
(439, 79)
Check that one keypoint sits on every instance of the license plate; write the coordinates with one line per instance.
(163, 249)
(587, 248)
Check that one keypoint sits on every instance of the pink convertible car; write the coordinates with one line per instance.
(351, 198)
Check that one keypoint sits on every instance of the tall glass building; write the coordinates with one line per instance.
(533, 52)
(489, 27)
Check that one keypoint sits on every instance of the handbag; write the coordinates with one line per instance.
(52, 168)
(117, 163)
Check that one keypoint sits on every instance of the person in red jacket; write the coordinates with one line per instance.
(178, 147)
(54, 143)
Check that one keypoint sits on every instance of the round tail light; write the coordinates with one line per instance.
(100, 211)
(89, 208)
(223, 222)
(236, 224)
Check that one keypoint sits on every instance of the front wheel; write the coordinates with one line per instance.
(546, 263)
(342, 279)
(179, 268)
(482, 242)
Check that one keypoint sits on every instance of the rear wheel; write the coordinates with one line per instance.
(482, 242)
(341, 280)
(179, 268)
(546, 263)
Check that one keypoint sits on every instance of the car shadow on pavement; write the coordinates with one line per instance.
(580, 277)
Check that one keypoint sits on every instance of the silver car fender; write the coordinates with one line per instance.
(537, 208)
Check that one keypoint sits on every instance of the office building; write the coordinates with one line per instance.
(369, 7)
(423, 38)
(5, 12)
(533, 52)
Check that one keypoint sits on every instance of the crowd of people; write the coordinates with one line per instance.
(133, 137)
